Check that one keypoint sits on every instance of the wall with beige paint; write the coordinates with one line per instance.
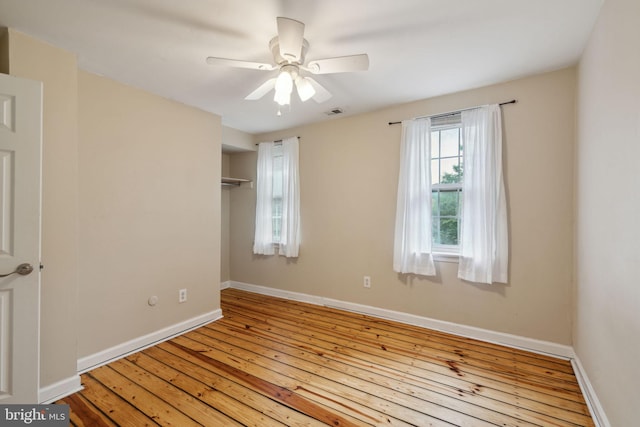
(348, 174)
(225, 221)
(139, 196)
(57, 69)
(149, 212)
(234, 140)
(607, 326)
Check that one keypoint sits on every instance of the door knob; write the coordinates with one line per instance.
(22, 269)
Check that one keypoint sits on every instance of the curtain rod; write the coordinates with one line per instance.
(450, 113)
(278, 140)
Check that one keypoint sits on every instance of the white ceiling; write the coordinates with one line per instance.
(417, 48)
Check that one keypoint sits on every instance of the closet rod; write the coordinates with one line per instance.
(451, 113)
(279, 140)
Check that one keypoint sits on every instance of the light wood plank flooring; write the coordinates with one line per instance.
(273, 362)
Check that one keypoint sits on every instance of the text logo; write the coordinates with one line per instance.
(34, 415)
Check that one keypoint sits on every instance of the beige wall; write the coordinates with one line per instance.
(234, 140)
(225, 207)
(607, 328)
(149, 212)
(139, 196)
(348, 174)
(57, 70)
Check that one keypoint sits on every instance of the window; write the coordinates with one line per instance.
(276, 197)
(446, 183)
(429, 215)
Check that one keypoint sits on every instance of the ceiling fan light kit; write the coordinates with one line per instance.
(284, 86)
(289, 49)
(305, 89)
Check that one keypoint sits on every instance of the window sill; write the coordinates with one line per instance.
(446, 257)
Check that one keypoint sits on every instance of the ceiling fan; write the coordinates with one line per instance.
(289, 49)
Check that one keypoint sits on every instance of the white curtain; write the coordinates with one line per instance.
(289, 243)
(263, 240)
(412, 243)
(290, 230)
(484, 253)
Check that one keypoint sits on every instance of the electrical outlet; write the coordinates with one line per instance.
(182, 295)
(367, 281)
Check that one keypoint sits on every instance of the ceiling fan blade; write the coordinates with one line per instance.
(262, 90)
(321, 94)
(340, 64)
(240, 64)
(290, 38)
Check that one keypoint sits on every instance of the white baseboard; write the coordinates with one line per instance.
(58, 390)
(595, 408)
(225, 285)
(119, 351)
(509, 340)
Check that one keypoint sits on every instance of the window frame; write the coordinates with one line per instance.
(445, 252)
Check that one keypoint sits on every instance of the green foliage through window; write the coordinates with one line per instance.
(453, 178)
(446, 175)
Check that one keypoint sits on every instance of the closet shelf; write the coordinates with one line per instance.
(235, 182)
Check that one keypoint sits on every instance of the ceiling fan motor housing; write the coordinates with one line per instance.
(274, 46)
(292, 69)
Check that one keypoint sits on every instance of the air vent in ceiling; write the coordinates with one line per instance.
(334, 111)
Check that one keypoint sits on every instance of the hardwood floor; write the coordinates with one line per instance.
(272, 362)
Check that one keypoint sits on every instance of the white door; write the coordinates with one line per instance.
(20, 165)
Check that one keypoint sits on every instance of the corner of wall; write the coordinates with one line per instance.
(590, 396)
(579, 370)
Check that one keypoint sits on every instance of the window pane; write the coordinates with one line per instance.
(445, 221)
(446, 168)
(449, 143)
(277, 176)
(449, 203)
(435, 231)
(435, 206)
(276, 206)
(435, 148)
(449, 171)
(448, 231)
(435, 171)
(276, 202)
